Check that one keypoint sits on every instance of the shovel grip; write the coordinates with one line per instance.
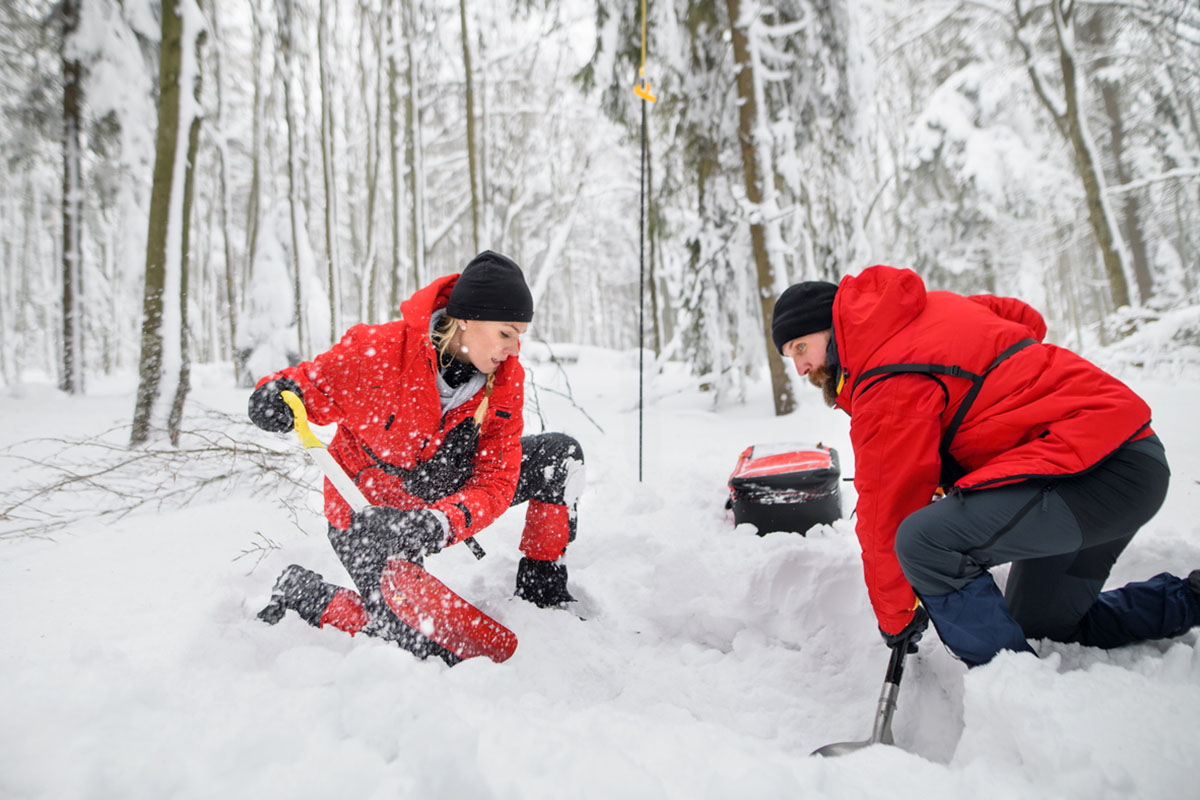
(307, 437)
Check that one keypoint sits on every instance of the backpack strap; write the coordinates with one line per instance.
(952, 370)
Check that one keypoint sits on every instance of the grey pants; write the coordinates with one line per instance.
(1061, 536)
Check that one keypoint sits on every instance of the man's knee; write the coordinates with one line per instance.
(927, 556)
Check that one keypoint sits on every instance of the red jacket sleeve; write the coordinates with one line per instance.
(895, 432)
(331, 379)
(489, 491)
(1015, 310)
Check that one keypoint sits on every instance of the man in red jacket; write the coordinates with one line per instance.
(1048, 462)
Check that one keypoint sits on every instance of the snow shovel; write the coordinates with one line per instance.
(881, 733)
(418, 598)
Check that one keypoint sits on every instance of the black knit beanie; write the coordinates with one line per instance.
(491, 288)
(802, 309)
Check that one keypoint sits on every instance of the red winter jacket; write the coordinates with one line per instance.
(1043, 411)
(379, 385)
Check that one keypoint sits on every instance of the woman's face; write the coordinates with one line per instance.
(486, 344)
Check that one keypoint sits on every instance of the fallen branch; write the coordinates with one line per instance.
(60, 482)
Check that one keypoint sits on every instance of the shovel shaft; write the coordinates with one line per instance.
(881, 730)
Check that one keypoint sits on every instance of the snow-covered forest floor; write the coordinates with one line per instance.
(709, 664)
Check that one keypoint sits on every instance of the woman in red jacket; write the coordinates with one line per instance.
(429, 420)
(1049, 464)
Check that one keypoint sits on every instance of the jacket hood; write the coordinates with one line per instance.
(872, 307)
(418, 309)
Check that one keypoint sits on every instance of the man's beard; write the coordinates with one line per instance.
(827, 382)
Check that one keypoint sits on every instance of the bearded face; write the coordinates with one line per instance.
(825, 380)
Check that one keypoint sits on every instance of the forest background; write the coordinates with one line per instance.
(238, 182)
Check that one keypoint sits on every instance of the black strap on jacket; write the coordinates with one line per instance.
(951, 471)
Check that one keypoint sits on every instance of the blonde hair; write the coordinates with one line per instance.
(441, 335)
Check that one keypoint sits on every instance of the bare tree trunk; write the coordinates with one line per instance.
(413, 155)
(396, 279)
(747, 119)
(1110, 93)
(329, 181)
(470, 100)
(175, 419)
(71, 379)
(230, 277)
(287, 55)
(166, 266)
(1087, 162)
(381, 27)
(252, 199)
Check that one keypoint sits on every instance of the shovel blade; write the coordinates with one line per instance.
(841, 748)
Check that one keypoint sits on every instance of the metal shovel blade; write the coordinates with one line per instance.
(881, 732)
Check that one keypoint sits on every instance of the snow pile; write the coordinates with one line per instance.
(710, 663)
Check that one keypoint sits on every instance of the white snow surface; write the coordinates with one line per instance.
(710, 662)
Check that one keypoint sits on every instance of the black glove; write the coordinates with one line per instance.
(912, 631)
(267, 409)
(410, 534)
(451, 466)
(543, 583)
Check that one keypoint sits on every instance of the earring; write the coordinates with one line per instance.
(462, 326)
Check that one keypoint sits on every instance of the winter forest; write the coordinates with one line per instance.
(237, 183)
(196, 194)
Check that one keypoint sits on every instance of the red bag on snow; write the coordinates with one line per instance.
(786, 487)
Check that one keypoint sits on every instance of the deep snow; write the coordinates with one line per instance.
(710, 663)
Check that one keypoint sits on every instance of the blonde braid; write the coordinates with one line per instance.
(481, 412)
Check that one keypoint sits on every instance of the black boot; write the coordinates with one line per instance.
(543, 583)
(387, 626)
(301, 590)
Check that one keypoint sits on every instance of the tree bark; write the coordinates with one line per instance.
(329, 179)
(165, 265)
(413, 155)
(71, 378)
(396, 277)
(286, 55)
(470, 101)
(1087, 163)
(781, 386)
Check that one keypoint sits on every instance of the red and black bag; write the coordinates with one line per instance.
(786, 487)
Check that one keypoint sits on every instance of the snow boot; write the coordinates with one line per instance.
(543, 583)
(390, 628)
(301, 590)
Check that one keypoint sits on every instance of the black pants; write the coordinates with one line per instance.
(550, 481)
(1062, 538)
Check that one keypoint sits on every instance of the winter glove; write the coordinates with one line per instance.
(543, 583)
(267, 409)
(451, 466)
(410, 534)
(911, 632)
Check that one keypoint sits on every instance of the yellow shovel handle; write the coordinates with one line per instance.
(307, 437)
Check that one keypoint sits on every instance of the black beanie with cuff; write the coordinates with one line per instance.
(491, 288)
(802, 309)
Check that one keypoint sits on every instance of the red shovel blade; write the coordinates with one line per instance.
(429, 606)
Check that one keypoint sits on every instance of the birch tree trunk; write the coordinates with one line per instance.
(748, 130)
(164, 306)
(71, 378)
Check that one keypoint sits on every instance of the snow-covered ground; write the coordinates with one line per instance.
(710, 664)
